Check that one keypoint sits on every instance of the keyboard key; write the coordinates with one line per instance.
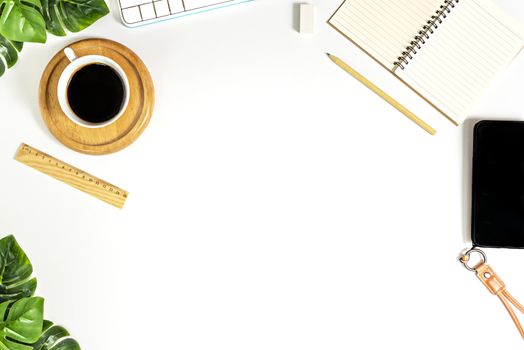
(131, 3)
(176, 6)
(137, 12)
(131, 15)
(195, 4)
(148, 11)
(161, 8)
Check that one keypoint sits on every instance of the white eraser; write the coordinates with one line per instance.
(307, 18)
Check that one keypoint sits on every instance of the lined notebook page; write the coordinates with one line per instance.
(459, 60)
(383, 28)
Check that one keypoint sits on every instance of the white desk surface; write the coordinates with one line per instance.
(275, 203)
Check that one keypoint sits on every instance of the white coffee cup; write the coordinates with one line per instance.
(77, 63)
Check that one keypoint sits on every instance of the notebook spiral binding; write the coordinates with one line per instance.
(423, 35)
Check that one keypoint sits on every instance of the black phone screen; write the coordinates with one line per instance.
(498, 184)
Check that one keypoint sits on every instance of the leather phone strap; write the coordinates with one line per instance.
(494, 284)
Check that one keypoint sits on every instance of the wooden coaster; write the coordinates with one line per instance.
(117, 135)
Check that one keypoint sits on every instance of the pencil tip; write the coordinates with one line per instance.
(327, 53)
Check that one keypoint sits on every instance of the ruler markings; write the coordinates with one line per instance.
(71, 175)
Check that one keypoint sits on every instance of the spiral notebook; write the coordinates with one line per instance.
(448, 51)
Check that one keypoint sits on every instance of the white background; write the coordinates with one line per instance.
(275, 203)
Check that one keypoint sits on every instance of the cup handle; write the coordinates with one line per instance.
(70, 54)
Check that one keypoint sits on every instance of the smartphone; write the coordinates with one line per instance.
(498, 184)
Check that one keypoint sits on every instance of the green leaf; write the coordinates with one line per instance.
(22, 326)
(8, 56)
(15, 271)
(73, 15)
(18, 45)
(8, 50)
(29, 20)
(56, 338)
(22, 323)
(35, 3)
(52, 22)
(21, 21)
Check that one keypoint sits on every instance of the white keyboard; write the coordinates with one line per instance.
(139, 12)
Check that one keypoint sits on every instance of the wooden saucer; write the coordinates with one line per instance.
(117, 135)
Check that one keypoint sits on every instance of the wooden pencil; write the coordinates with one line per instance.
(382, 94)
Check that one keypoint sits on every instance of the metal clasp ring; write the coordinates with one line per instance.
(465, 258)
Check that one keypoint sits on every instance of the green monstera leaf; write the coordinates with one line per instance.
(30, 20)
(21, 20)
(15, 271)
(55, 338)
(8, 53)
(22, 323)
(73, 15)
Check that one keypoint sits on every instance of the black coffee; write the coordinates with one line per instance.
(96, 93)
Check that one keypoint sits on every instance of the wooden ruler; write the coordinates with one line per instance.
(72, 176)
